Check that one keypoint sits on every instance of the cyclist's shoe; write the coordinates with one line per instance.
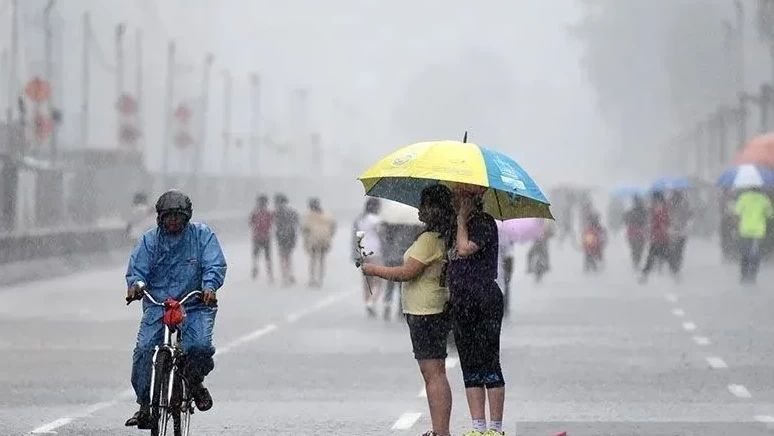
(141, 419)
(201, 397)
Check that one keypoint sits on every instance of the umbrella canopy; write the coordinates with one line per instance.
(759, 151)
(520, 231)
(747, 176)
(402, 175)
(671, 184)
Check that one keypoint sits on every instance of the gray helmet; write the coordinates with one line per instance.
(174, 201)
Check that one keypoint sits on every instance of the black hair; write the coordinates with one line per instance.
(443, 222)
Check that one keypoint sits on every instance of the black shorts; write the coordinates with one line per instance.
(428, 335)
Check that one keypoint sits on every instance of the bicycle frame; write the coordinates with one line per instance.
(171, 344)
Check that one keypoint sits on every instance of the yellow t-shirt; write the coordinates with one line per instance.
(424, 295)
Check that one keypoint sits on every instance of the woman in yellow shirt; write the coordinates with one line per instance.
(424, 297)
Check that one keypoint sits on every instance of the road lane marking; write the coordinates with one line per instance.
(51, 426)
(701, 340)
(246, 338)
(689, 326)
(88, 411)
(325, 302)
(678, 312)
(740, 391)
(716, 363)
(765, 419)
(672, 298)
(406, 421)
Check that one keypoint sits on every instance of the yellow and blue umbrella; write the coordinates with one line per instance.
(402, 175)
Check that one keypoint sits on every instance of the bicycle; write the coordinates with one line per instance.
(170, 394)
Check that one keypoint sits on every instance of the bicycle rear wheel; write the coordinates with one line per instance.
(160, 400)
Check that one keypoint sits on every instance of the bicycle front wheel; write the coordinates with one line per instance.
(160, 399)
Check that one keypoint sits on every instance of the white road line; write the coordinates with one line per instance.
(765, 419)
(452, 362)
(422, 393)
(295, 316)
(740, 391)
(406, 421)
(246, 338)
(51, 426)
(678, 312)
(689, 326)
(701, 340)
(672, 298)
(716, 363)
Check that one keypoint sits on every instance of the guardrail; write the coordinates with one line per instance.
(50, 243)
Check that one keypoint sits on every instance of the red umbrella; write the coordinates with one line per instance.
(759, 151)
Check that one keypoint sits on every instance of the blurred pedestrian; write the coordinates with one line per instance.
(261, 222)
(754, 211)
(659, 235)
(594, 242)
(372, 226)
(636, 220)
(286, 232)
(142, 217)
(318, 228)
(680, 216)
(424, 299)
(538, 256)
(477, 306)
(505, 267)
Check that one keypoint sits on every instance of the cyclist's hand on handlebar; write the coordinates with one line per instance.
(133, 293)
(209, 298)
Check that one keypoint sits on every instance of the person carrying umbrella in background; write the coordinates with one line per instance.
(754, 211)
(487, 185)
(636, 220)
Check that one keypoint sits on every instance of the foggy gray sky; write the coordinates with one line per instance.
(357, 58)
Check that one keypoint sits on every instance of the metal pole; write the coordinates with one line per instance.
(85, 80)
(120, 29)
(255, 120)
(742, 119)
(138, 92)
(765, 103)
(49, 62)
(740, 30)
(200, 144)
(168, 113)
(12, 79)
(226, 120)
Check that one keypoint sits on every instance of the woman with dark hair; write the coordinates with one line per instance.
(477, 309)
(424, 297)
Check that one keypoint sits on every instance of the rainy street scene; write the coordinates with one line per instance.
(388, 218)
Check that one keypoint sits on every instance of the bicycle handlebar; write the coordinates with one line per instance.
(153, 300)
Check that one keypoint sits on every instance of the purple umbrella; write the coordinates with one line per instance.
(521, 230)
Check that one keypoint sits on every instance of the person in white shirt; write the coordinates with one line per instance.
(371, 224)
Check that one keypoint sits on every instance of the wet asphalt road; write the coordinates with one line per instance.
(590, 355)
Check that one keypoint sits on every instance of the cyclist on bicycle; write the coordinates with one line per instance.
(174, 258)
